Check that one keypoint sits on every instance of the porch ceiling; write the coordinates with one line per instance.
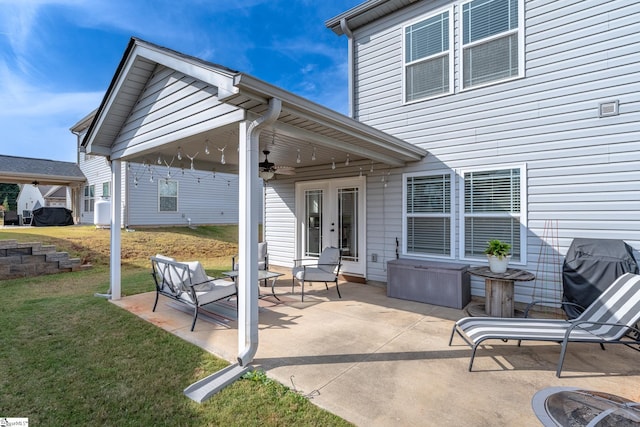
(302, 128)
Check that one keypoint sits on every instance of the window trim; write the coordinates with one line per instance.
(451, 52)
(88, 198)
(461, 47)
(452, 213)
(106, 184)
(177, 195)
(523, 209)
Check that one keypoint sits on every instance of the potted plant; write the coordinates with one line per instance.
(498, 255)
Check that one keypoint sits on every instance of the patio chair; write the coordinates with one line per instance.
(187, 282)
(610, 319)
(26, 217)
(325, 269)
(263, 259)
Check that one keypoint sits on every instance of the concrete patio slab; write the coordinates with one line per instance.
(379, 361)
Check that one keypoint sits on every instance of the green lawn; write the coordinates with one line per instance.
(70, 358)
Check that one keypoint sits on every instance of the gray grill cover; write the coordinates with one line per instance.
(590, 267)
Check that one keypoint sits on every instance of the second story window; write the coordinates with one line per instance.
(490, 41)
(427, 57)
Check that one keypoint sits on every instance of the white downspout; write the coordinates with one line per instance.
(249, 199)
(351, 69)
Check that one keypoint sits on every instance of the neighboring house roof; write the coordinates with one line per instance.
(300, 120)
(365, 13)
(24, 170)
(55, 192)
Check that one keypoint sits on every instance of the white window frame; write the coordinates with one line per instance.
(450, 52)
(89, 199)
(405, 215)
(176, 197)
(521, 48)
(106, 185)
(523, 210)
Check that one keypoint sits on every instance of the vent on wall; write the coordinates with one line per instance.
(608, 108)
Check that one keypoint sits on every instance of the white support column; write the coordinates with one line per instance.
(68, 203)
(116, 221)
(248, 202)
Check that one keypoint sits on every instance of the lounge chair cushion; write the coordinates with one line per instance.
(313, 274)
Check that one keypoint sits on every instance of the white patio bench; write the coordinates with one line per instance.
(188, 283)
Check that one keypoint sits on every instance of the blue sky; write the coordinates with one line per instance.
(57, 57)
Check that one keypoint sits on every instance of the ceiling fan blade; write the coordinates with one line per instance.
(285, 170)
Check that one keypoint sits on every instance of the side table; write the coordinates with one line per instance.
(499, 289)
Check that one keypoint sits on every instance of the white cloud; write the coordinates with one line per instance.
(36, 122)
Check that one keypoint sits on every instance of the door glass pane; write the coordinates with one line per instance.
(313, 221)
(348, 223)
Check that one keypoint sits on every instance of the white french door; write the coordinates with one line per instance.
(332, 213)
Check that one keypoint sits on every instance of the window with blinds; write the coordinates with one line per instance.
(427, 57)
(490, 38)
(427, 213)
(492, 210)
(167, 195)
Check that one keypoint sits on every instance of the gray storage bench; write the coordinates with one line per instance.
(431, 282)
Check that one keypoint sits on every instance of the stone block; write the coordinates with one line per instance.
(9, 260)
(29, 245)
(8, 243)
(23, 270)
(31, 259)
(19, 251)
(44, 249)
(56, 256)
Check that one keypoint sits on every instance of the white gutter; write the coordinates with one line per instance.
(347, 32)
(249, 198)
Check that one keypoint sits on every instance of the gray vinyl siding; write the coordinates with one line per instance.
(97, 171)
(210, 201)
(172, 103)
(582, 170)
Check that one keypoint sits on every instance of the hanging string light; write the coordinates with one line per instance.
(206, 147)
(298, 159)
(179, 155)
(222, 160)
(191, 158)
(313, 155)
(346, 162)
(333, 163)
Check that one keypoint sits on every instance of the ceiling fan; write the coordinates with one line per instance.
(269, 169)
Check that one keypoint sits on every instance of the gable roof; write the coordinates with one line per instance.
(365, 13)
(25, 170)
(300, 119)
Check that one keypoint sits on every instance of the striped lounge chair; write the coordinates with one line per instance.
(610, 319)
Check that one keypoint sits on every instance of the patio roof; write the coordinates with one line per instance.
(301, 125)
(168, 108)
(25, 170)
